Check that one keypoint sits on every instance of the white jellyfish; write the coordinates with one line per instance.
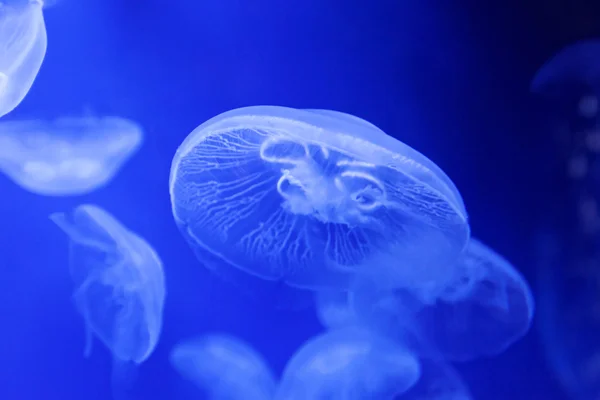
(22, 50)
(224, 368)
(68, 156)
(312, 198)
(485, 308)
(346, 364)
(119, 285)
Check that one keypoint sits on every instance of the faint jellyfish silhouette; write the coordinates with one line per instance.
(484, 309)
(349, 363)
(577, 64)
(22, 50)
(224, 367)
(120, 287)
(438, 381)
(68, 156)
(311, 198)
(333, 309)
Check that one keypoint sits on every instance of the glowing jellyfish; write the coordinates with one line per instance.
(347, 364)
(577, 64)
(22, 50)
(120, 285)
(310, 198)
(333, 309)
(484, 309)
(68, 156)
(438, 381)
(224, 367)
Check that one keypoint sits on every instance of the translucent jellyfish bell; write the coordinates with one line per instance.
(119, 281)
(484, 309)
(224, 367)
(312, 197)
(22, 50)
(68, 156)
(347, 364)
(577, 64)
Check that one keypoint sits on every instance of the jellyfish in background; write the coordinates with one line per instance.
(437, 381)
(119, 286)
(224, 367)
(68, 156)
(313, 198)
(333, 309)
(485, 308)
(22, 50)
(346, 364)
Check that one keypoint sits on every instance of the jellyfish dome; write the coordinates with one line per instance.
(22, 50)
(346, 364)
(311, 198)
(67, 156)
(487, 307)
(224, 367)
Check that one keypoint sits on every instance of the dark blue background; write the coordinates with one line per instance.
(449, 79)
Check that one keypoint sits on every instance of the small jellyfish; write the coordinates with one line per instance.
(22, 50)
(119, 286)
(333, 309)
(346, 364)
(68, 156)
(438, 381)
(311, 198)
(575, 65)
(224, 367)
(483, 310)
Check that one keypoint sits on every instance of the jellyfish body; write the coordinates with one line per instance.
(333, 309)
(22, 50)
(119, 284)
(349, 363)
(68, 156)
(224, 367)
(577, 64)
(310, 198)
(438, 381)
(487, 307)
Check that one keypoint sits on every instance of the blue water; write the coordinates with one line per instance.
(434, 76)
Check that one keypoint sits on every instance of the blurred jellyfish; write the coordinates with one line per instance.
(333, 309)
(346, 364)
(484, 309)
(438, 381)
(577, 64)
(120, 286)
(311, 198)
(22, 50)
(224, 367)
(68, 156)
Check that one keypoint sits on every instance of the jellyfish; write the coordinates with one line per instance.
(68, 156)
(486, 307)
(437, 381)
(119, 286)
(575, 65)
(224, 367)
(22, 50)
(310, 199)
(333, 309)
(348, 363)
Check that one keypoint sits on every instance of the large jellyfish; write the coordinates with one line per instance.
(311, 198)
(119, 286)
(224, 367)
(22, 49)
(67, 156)
(346, 364)
(486, 308)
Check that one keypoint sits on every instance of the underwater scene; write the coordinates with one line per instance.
(316, 200)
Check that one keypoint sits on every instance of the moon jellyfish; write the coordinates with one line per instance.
(119, 286)
(311, 198)
(349, 363)
(487, 307)
(333, 310)
(67, 156)
(577, 64)
(224, 367)
(438, 381)
(22, 49)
